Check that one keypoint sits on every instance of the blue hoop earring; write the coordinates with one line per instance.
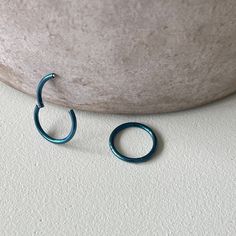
(41, 105)
(118, 129)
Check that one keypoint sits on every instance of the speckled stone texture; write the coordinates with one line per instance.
(135, 56)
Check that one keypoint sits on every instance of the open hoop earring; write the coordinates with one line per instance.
(41, 105)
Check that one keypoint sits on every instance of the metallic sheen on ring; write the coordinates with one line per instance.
(136, 159)
(40, 105)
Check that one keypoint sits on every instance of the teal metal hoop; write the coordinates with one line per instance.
(130, 159)
(40, 105)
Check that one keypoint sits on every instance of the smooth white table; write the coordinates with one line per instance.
(82, 189)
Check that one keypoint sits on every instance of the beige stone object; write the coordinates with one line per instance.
(122, 56)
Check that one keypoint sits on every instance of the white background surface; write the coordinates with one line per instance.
(80, 188)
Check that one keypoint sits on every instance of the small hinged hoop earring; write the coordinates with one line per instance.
(121, 156)
(41, 105)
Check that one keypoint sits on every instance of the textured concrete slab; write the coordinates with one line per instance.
(121, 56)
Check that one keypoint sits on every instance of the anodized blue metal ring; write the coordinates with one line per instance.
(130, 159)
(41, 105)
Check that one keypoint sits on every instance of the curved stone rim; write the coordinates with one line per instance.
(91, 108)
